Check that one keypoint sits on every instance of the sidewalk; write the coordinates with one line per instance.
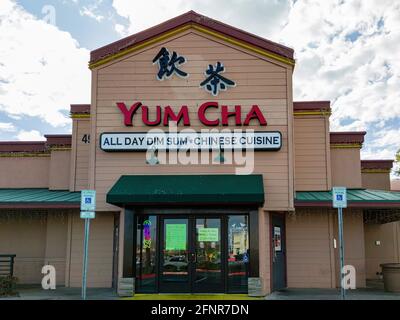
(373, 291)
(62, 293)
(331, 294)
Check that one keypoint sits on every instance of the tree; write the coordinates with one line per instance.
(397, 170)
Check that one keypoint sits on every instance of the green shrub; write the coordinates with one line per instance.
(8, 286)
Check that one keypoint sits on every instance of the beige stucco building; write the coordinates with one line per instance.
(176, 227)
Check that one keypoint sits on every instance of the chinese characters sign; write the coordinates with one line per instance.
(215, 81)
(169, 64)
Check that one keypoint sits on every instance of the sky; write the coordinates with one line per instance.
(347, 51)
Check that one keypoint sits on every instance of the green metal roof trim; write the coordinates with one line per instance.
(187, 189)
(30, 197)
(355, 198)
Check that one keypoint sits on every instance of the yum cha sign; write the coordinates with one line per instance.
(166, 114)
(188, 139)
(167, 64)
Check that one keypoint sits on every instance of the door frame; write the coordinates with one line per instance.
(281, 215)
(159, 253)
(192, 249)
(201, 211)
(116, 232)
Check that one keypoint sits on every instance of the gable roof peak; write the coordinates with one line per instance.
(123, 46)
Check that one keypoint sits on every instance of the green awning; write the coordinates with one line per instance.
(187, 189)
(38, 198)
(362, 198)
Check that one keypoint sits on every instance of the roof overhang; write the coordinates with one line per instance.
(351, 139)
(350, 204)
(376, 166)
(80, 111)
(312, 108)
(356, 198)
(31, 198)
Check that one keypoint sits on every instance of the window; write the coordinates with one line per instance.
(146, 241)
(238, 253)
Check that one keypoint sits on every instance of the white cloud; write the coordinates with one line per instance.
(368, 153)
(32, 135)
(6, 126)
(361, 77)
(257, 16)
(121, 30)
(388, 138)
(90, 12)
(42, 69)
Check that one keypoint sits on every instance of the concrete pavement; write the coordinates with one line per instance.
(62, 293)
(373, 291)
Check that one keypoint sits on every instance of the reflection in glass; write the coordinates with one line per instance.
(208, 253)
(175, 251)
(146, 253)
(238, 253)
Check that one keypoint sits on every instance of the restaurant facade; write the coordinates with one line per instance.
(208, 176)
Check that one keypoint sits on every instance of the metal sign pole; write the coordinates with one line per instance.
(88, 211)
(339, 201)
(85, 258)
(341, 252)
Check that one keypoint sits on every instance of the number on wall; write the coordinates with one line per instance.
(86, 138)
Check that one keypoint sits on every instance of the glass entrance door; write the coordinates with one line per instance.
(191, 255)
(208, 263)
(175, 273)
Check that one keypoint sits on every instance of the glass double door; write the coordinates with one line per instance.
(191, 255)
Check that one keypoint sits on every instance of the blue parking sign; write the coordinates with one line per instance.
(88, 200)
(339, 197)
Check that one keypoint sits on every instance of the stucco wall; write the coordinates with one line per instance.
(56, 244)
(346, 167)
(311, 149)
(354, 250)
(59, 168)
(24, 172)
(379, 181)
(387, 251)
(309, 238)
(37, 238)
(80, 154)
(387, 234)
(100, 257)
(312, 260)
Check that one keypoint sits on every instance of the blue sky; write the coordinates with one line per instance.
(89, 32)
(346, 52)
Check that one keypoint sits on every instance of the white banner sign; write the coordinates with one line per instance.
(259, 141)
